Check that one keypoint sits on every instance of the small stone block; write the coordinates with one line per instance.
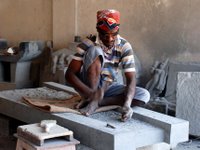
(53, 144)
(36, 134)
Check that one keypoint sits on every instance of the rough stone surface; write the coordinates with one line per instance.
(174, 68)
(188, 99)
(159, 146)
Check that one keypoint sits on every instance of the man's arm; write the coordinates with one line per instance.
(74, 81)
(129, 94)
(130, 87)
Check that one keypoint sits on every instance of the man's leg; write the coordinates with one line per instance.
(92, 80)
(92, 62)
(93, 73)
(115, 96)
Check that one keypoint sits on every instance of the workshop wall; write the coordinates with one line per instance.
(157, 29)
(63, 22)
(23, 20)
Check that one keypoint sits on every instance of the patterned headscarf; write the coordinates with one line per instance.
(108, 19)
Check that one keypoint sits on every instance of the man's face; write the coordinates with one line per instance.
(108, 37)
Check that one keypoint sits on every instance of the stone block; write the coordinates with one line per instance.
(176, 130)
(3, 44)
(31, 49)
(174, 68)
(188, 100)
(57, 86)
(20, 74)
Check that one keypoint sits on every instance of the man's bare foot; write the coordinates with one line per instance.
(90, 108)
(126, 114)
(81, 104)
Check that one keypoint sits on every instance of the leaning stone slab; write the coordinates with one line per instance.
(188, 100)
(174, 68)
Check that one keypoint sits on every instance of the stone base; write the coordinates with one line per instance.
(103, 130)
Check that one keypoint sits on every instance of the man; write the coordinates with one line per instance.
(94, 68)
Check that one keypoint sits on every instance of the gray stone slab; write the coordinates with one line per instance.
(57, 86)
(22, 75)
(144, 129)
(88, 131)
(188, 100)
(31, 49)
(142, 132)
(174, 68)
(176, 130)
(3, 44)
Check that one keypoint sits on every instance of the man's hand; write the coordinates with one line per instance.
(93, 102)
(127, 113)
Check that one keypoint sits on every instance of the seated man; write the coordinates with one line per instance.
(94, 68)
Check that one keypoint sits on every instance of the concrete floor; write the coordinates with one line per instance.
(9, 143)
(192, 144)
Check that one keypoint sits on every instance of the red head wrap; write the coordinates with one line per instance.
(108, 19)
